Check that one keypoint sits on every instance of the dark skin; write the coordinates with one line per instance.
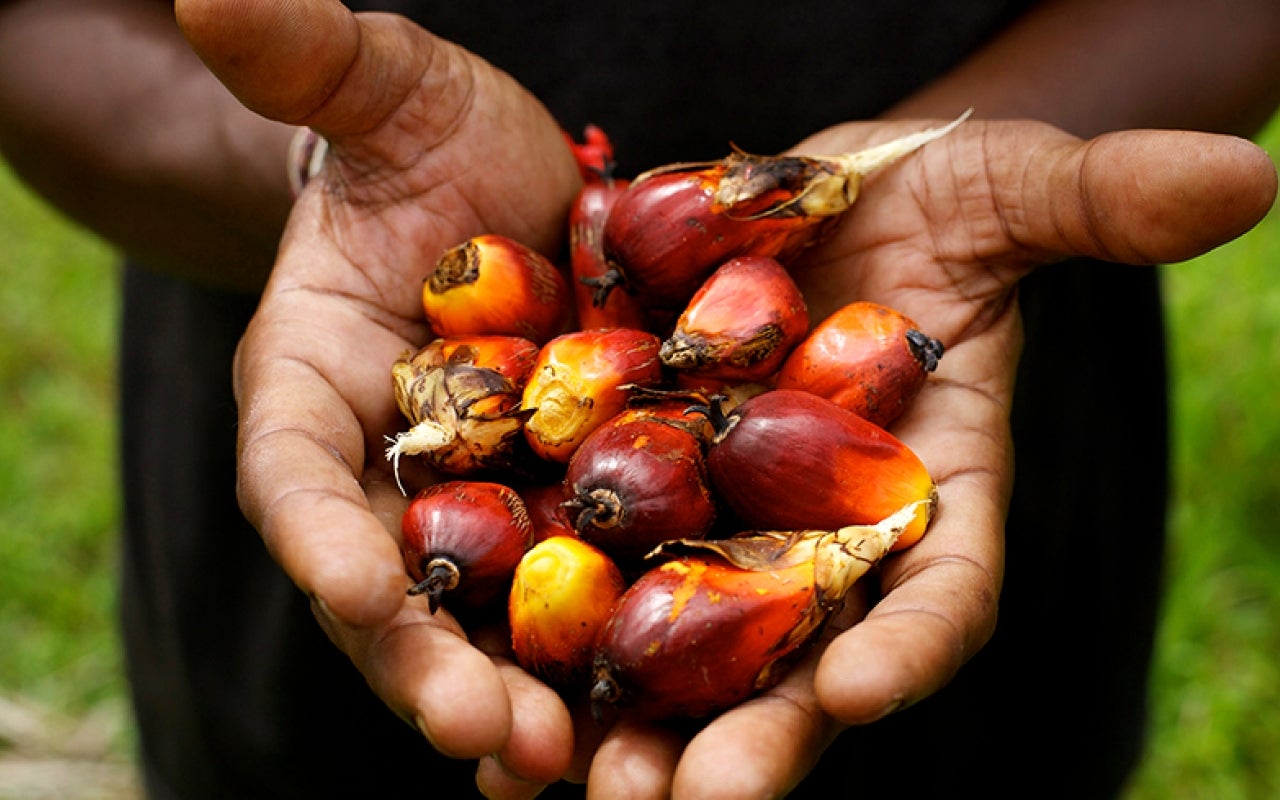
(432, 146)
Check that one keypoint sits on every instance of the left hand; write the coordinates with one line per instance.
(944, 237)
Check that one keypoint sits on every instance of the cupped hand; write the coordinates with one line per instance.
(429, 146)
(944, 236)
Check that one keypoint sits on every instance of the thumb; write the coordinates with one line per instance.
(1136, 197)
(314, 62)
(281, 58)
(408, 113)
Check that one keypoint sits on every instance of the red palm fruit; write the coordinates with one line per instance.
(494, 285)
(741, 323)
(596, 305)
(676, 223)
(724, 619)
(562, 594)
(462, 398)
(464, 538)
(578, 383)
(867, 358)
(637, 481)
(594, 153)
(791, 460)
(545, 504)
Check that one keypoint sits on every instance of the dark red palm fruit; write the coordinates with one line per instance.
(667, 233)
(494, 285)
(791, 460)
(867, 358)
(637, 481)
(596, 304)
(563, 592)
(741, 324)
(676, 223)
(724, 619)
(461, 542)
(545, 504)
(580, 381)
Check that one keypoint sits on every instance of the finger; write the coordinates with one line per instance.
(440, 144)
(540, 747)
(761, 748)
(940, 599)
(635, 761)
(314, 62)
(937, 613)
(281, 58)
(420, 664)
(423, 668)
(1136, 197)
(301, 454)
(496, 782)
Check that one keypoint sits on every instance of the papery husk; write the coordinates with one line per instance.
(463, 419)
(814, 186)
(718, 621)
(839, 557)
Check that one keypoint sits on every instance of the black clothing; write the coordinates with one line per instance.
(239, 694)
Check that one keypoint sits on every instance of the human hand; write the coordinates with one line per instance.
(944, 236)
(429, 146)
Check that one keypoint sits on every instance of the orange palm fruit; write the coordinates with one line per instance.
(867, 358)
(494, 285)
(741, 324)
(562, 594)
(724, 619)
(676, 223)
(462, 398)
(462, 540)
(579, 381)
(791, 460)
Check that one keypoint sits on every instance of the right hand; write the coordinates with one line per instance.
(429, 146)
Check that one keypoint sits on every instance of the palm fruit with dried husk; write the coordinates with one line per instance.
(720, 620)
(462, 397)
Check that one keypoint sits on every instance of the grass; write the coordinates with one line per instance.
(1216, 679)
(59, 507)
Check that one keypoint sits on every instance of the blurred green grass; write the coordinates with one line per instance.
(59, 507)
(1216, 681)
